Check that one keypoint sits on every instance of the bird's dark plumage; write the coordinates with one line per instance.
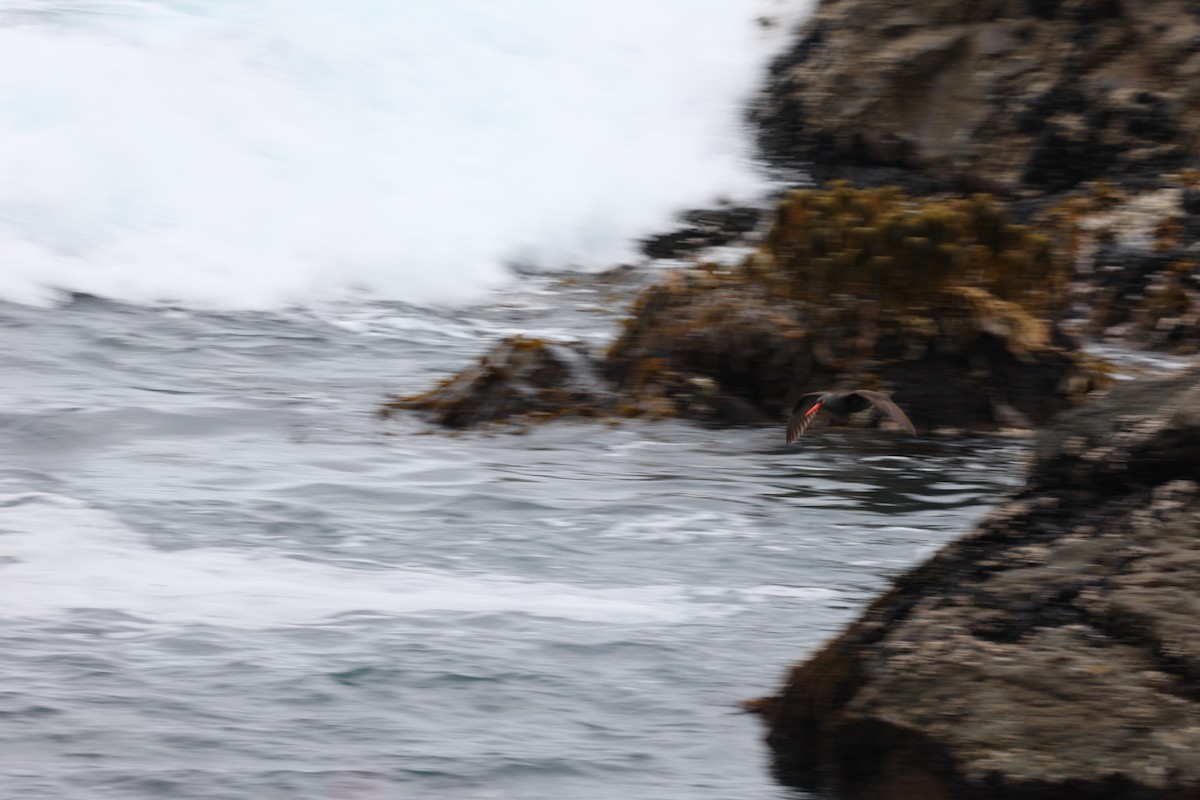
(841, 403)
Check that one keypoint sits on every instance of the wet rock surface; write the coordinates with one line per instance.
(943, 302)
(1002, 96)
(702, 229)
(1052, 653)
(1137, 264)
(518, 377)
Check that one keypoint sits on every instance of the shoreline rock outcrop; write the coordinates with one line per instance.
(520, 377)
(1052, 653)
(1002, 96)
(944, 302)
(1030, 101)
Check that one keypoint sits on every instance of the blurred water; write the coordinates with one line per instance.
(226, 577)
(264, 153)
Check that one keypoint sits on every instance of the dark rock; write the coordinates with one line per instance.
(696, 330)
(1137, 262)
(806, 44)
(518, 377)
(1190, 202)
(944, 302)
(1059, 162)
(1052, 653)
(702, 229)
(1022, 94)
(1123, 273)
(1044, 9)
(1059, 99)
(1154, 120)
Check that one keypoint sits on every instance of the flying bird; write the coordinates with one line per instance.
(840, 404)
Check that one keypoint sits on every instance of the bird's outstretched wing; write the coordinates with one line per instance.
(884, 403)
(803, 413)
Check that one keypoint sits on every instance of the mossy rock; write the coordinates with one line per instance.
(881, 245)
(944, 302)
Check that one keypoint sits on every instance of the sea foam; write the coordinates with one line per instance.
(60, 556)
(262, 153)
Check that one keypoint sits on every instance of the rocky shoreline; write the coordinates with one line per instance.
(1080, 109)
(1054, 652)
(1008, 181)
(1073, 142)
(943, 301)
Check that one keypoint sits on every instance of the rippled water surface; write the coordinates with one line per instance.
(225, 577)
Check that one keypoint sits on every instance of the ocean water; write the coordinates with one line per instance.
(226, 577)
(228, 231)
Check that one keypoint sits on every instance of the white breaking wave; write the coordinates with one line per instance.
(262, 153)
(683, 528)
(57, 555)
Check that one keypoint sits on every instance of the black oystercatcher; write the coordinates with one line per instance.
(840, 404)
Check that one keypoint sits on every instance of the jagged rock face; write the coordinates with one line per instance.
(1006, 94)
(1054, 652)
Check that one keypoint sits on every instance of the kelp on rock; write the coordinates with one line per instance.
(943, 302)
